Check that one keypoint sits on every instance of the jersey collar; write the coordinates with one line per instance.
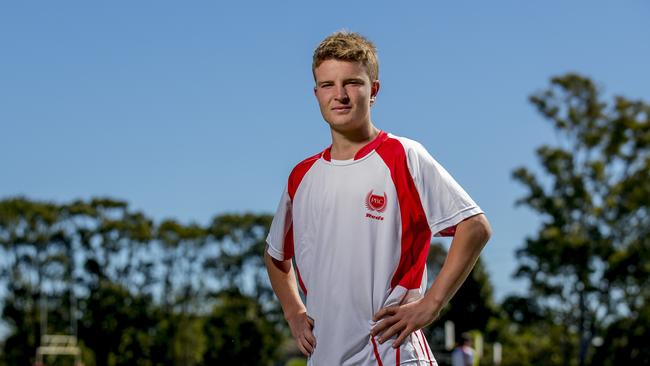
(365, 150)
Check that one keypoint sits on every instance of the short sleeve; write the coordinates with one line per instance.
(445, 202)
(280, 238)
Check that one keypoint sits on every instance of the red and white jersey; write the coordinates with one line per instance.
(360, 231)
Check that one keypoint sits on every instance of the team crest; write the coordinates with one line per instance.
(376, 202)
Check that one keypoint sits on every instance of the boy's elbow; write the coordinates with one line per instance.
(284, 266)
(480, 229)
(484, 229)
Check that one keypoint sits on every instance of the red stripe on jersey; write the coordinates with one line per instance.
(292, 186)
(397, 355)
(374, 348)
(288, 254)
(450, 231)
(416, 235)
(327, 154)
(413, 345)
(381, 137)
(288, 243)
(426, 346)
(415, 334)
(299, 172)
(302, 284)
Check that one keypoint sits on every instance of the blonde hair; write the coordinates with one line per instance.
(348, 46)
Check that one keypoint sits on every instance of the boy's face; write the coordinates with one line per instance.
(344, 92)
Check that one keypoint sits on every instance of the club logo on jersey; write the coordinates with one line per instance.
(375, 202)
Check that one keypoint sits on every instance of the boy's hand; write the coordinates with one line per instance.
(301, 327)
(402, 320)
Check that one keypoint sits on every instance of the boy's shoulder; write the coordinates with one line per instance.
(300, 170)
(306, 163)
(412, 149)
(407, 143)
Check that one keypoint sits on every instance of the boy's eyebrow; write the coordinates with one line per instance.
(344, 81)
(353, 79)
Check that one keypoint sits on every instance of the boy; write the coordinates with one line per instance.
(358, 219)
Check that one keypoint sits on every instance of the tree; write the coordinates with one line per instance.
(590, 260)
(629, 340)
(145, 293)
(239, 333)
(182, 289)
(240, 241)
(114, 242)
(36, 268)
(118, 326)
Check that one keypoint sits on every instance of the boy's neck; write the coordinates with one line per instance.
(346, 144)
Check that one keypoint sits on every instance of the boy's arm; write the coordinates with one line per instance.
(401, 320)
(283, 282)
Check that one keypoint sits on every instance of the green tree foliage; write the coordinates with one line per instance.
(182, 250)
(116, 326)
(35, 254)
(628, 341)
(239, 333)
(533, 344)
(589, 264)
(144, 293)
(528, 335)
(242, 241)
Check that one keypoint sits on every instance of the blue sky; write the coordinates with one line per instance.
(191, 109)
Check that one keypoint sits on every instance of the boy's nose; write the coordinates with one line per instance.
(342, 94)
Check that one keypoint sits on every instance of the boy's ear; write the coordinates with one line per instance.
(374, 89)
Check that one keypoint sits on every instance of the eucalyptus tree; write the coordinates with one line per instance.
(589, 263)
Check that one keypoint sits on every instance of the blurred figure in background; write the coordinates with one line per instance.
(463, 354)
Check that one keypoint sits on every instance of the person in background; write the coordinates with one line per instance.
(463, 354)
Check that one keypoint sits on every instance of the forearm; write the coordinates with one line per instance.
(471, 236)
(284, 285)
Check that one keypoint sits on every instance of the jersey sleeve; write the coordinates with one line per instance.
(280, 238)
(445, 202)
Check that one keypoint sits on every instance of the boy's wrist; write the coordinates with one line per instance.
(292, 311)
(434, 304)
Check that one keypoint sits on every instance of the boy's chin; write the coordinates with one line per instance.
(344, 125)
